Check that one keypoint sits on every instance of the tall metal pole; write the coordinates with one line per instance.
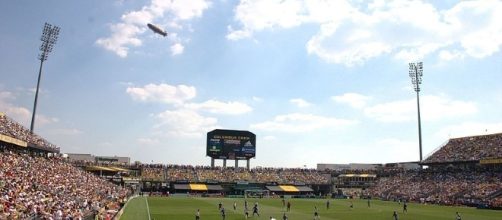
(48, 38)
(36, 97)
(416, 73)
(419, 126)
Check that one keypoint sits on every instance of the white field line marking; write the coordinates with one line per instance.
(147, 208)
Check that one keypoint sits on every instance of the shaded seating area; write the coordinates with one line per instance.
(289, 189)
(197, 188)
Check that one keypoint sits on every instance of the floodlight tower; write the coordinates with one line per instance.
(48, 38)
(416, 73)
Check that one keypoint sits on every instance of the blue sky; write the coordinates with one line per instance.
(317, 81)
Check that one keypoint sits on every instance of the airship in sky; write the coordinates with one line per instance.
(157, 30)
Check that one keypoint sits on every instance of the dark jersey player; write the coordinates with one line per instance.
(316, 214)
(395, 216)
(255, 209)
(223, 213)
(405, 207)
(457, 216)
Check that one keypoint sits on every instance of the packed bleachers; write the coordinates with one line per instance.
(155, 172)
(439, 186)
(473, 148)
(13, 129)
(455, 175)
(50, 188)
(256, 175)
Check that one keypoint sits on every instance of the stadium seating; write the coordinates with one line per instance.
(473, 148)
(440, 186)
(256, 175)
(50, 188)
(13, 129)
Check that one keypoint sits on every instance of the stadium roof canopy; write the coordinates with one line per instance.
(289, 188)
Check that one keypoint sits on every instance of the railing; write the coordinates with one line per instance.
(436, 149)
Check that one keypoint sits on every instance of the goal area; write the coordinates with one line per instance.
(257, 193)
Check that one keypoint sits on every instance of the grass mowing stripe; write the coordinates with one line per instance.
(135, 210)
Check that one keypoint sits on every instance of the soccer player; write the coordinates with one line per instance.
(284, 216)
(255, 210)
(235, 206)
(288, 206)
(369, 204)
(222, 213)
(458, 217)
(245, 204)
(351, 205)
(197, 215)
(405, 207)
(316, 214)
(327, 204)
(395, 216)
(220, 206)
(246, 212)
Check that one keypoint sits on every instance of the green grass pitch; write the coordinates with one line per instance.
(182, 208)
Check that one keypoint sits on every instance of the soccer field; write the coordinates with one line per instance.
(182, 208)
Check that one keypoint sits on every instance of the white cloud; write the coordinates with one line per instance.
(469, 129)
(20, 114)
(177, 49)
(185, 123)
(258, 15)
(300, 102)
(355, 100)
(298, 122)
(163, 93)
(392, 149)
(126, 33)
(218, 107)
(450, 55)
(124, 36)
(432, 108)
(257, 99)
(351, 33)
(147, 141)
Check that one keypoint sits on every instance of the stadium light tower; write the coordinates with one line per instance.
(48, 38)
(416, 73)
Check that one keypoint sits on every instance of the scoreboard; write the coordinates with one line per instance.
(231, 144)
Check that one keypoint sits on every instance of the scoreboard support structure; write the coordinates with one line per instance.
(248, 163)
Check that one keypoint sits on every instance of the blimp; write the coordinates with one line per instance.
(157, 30)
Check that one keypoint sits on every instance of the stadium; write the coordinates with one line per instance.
(251, 110)
(38, 182)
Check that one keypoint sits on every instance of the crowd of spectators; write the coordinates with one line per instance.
(439, 186)
(257, 175)
(50, 188)
(153, 173)
(13, 129)
(471, 148)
